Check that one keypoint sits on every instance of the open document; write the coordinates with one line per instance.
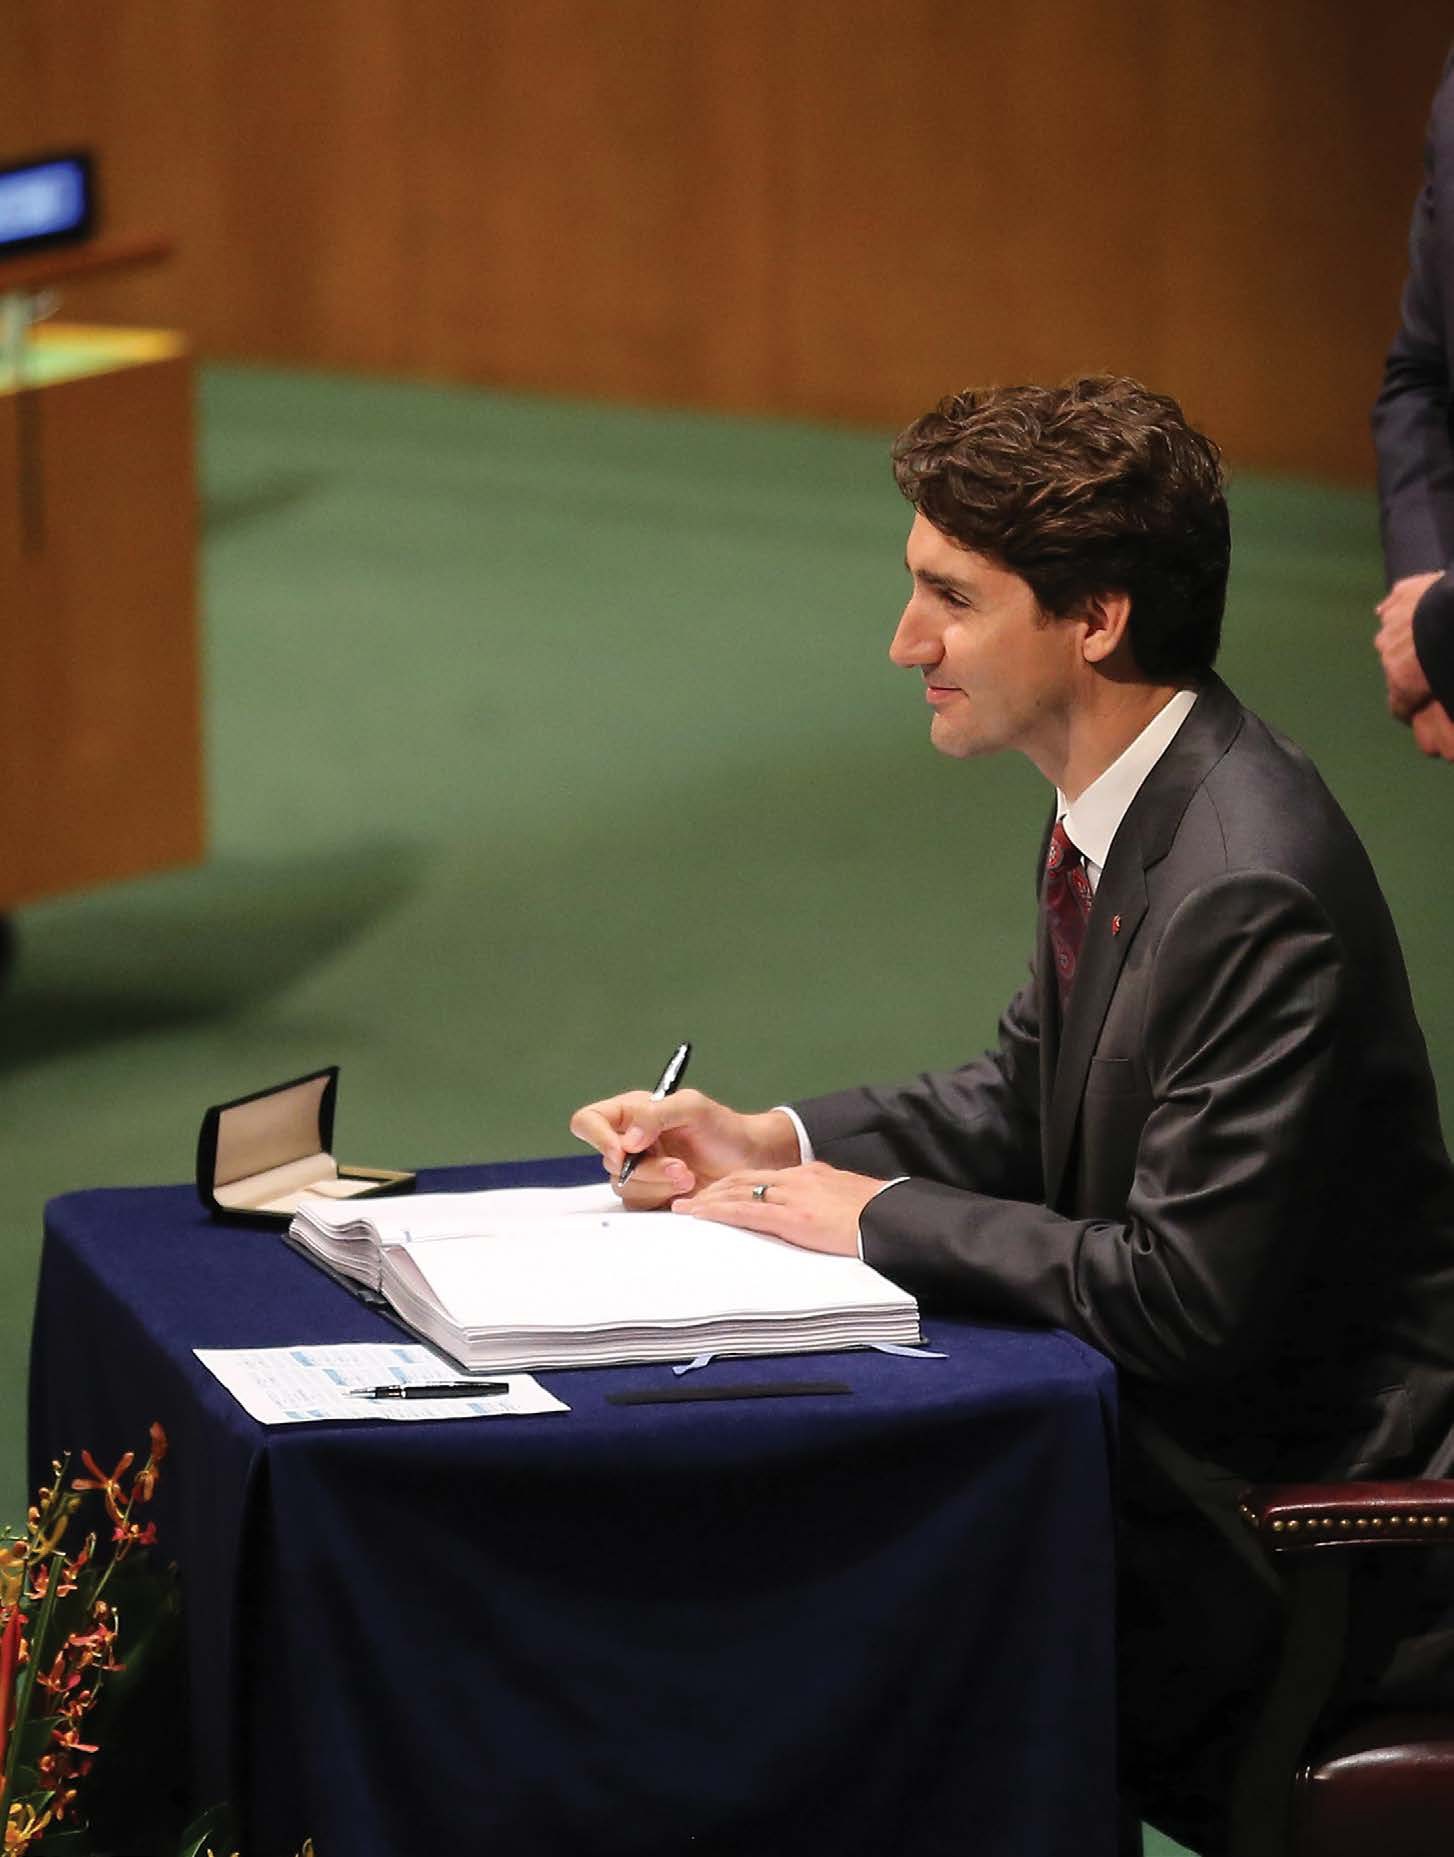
(546, 1278)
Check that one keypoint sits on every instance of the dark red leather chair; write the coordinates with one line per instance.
(1381, 1784)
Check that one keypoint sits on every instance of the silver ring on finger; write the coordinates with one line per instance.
(760, 1190)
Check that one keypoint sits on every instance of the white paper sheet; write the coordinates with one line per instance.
(301, 1385)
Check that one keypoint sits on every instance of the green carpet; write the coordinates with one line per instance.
(541, 737)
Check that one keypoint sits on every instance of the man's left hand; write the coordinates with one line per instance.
(1408, 688)
(815, 1206)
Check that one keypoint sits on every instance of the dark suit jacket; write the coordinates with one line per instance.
(1411, 417)
(1225, 1171)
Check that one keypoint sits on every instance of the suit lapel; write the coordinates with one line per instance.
(1122, 896)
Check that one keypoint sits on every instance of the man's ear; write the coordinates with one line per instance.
(1107, 619)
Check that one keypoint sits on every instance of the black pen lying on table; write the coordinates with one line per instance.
(668, 1080)
(691, 1395)
(444, 1389)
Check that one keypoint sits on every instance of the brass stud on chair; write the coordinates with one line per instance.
(1277, 1528)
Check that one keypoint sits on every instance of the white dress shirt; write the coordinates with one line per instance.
(1093, 821)
(1091, 824)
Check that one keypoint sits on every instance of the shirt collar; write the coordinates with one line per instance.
(1092, 822)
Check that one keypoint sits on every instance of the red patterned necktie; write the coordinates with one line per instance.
(1068, 897)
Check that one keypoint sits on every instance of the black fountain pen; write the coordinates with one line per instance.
(675, 1070)
(444, 1389)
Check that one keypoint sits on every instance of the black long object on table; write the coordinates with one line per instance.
(681, 1395)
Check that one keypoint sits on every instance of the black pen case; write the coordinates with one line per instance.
(257, 1155)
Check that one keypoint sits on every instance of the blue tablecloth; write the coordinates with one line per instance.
(880, 1623)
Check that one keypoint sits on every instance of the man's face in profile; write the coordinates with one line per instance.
(998, 671)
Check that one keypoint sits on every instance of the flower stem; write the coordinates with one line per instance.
(26, 1684)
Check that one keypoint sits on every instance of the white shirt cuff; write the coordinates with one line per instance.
(805, 1154)
(805, 1147)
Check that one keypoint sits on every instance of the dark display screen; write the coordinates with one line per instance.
(48, 201)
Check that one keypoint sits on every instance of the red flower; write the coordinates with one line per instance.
(134, 1534)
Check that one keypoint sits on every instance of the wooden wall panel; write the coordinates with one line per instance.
(832, 207)
(624, 241)
(100, 721)
(966, 203)
(1290, 178)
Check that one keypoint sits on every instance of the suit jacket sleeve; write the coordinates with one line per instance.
(1411, 414)
(1434, 637)
(975, 1126)
(1241, 1011)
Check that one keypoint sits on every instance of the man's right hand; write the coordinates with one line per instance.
(1408, 688)
(686, 1141)
(1434, 731)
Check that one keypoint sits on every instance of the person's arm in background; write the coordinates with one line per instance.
(1426, 640)
(1416, 469)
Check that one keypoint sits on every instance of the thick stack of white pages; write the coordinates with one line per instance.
(564, 1278)
(348, 1238)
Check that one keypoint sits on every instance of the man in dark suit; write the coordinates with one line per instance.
(1415, 443)
(1208, 1141)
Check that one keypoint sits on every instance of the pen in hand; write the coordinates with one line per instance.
(666, 1083)
(443, 1389)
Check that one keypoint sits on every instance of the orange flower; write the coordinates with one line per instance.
(70, 1738)
(45, 1541)
(68, 1669)
(101, 1480)
(110, 1486)
(12, 1572)
(23, 1826)
(146, 1480)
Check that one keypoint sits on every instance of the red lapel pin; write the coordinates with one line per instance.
(1115, 925)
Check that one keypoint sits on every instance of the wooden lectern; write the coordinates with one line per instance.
(100, 728)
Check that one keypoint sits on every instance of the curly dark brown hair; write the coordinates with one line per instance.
(1099, 486)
